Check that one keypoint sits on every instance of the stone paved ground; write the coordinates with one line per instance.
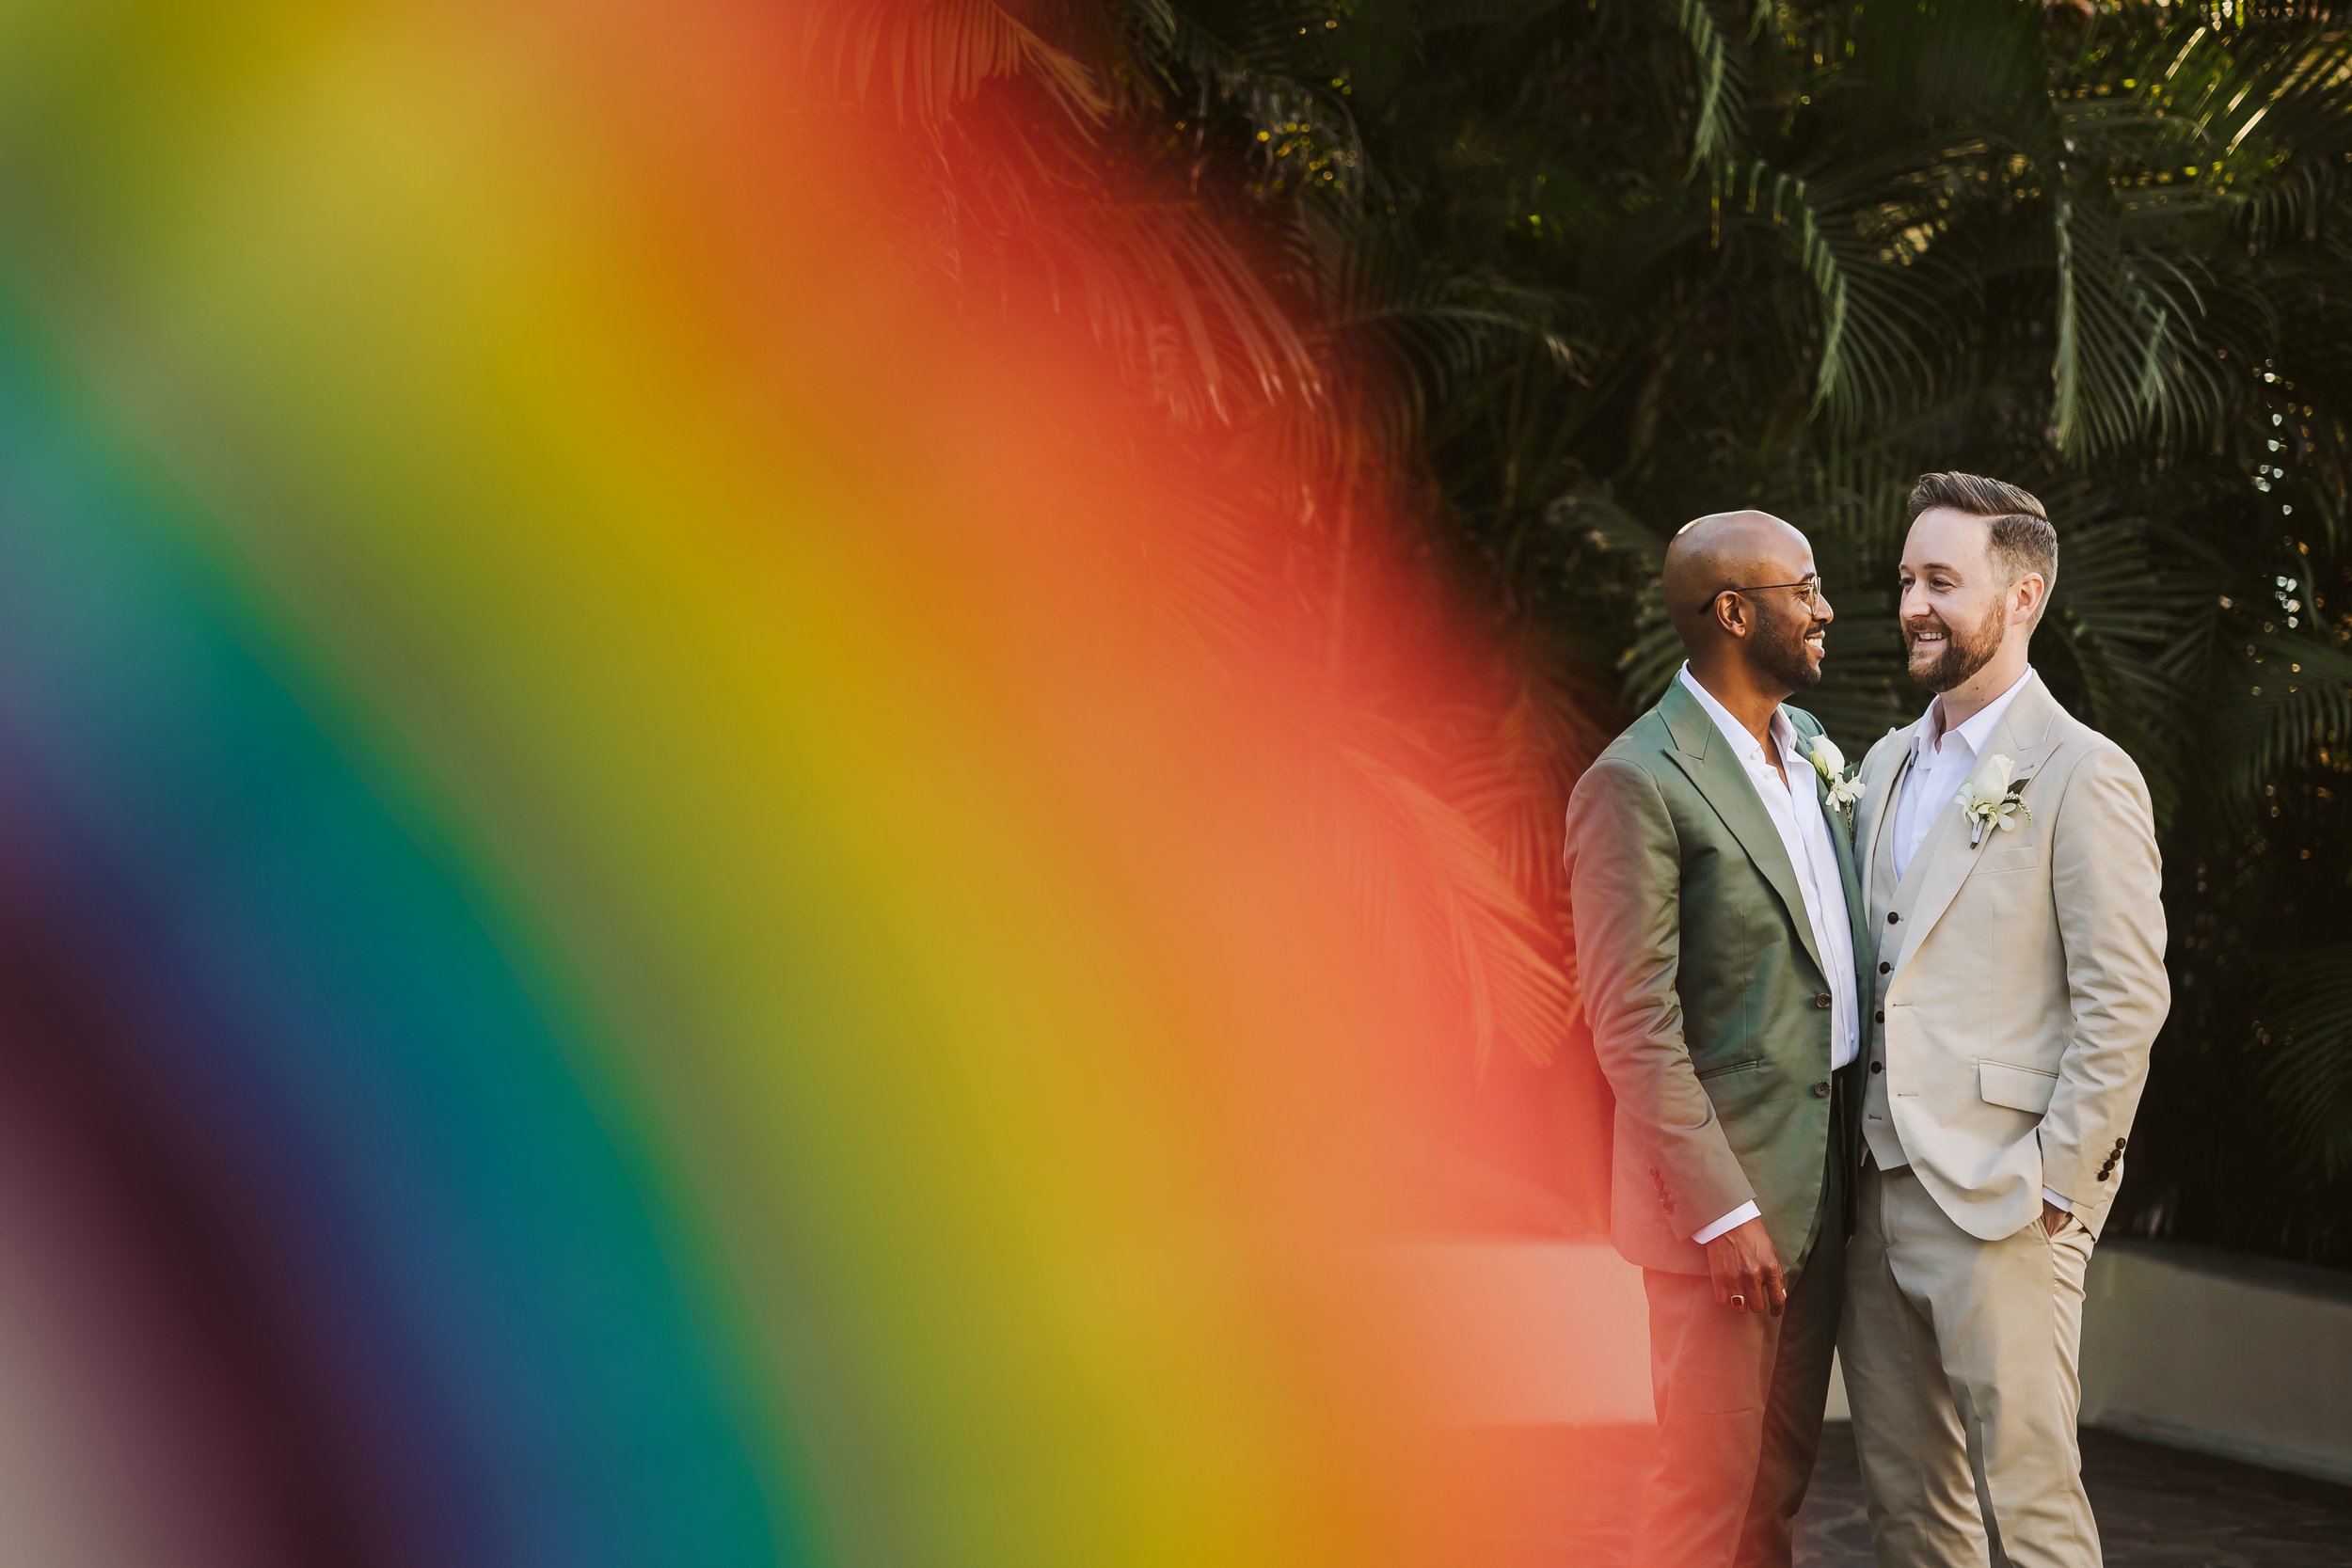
(1562, 1497)
(2157, 1507)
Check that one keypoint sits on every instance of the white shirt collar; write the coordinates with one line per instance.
(1743, 743)
(1979, 726)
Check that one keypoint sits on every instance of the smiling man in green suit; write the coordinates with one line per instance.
(1712, 870)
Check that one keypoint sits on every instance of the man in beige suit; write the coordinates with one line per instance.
(2010, 864)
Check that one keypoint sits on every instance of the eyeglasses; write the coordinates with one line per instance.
(1809, 586)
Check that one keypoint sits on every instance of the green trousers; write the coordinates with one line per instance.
(1740, 1398)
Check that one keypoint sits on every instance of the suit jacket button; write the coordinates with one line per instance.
(2104, 1175)
(2119, 1145)
(1878, 1067)
(1820, 1090)
(1893, 919)
(1822, 1001)
(1885, 968)
(1880, 1016)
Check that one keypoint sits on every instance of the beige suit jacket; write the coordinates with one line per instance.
(2025, 979)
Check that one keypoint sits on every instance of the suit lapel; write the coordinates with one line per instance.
(1702, 751)
(1848, 875)
(1878, 802)
(1946, 856)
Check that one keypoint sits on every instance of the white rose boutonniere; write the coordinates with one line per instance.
(1990, 799)
(1844, 788)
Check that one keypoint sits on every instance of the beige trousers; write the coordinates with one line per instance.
(1962, 1362)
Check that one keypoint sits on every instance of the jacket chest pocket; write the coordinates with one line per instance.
(1998, 862)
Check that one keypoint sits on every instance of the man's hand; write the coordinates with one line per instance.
(2053, 1217)
(1747, 1269)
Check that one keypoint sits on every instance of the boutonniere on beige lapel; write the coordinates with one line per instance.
(1991, 799)
(1844, 788)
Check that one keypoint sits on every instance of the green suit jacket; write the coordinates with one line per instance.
(1709, 1004)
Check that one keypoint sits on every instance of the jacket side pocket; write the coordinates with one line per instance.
(2020, 1088)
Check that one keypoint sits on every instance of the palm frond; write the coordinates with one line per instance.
(1417, 856)
(1873, 332)
(2304, 1032)
(1721, 89)
(934, 54)
(2293, 710)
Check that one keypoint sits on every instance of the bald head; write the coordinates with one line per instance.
(1767, 638)
(1727, 549)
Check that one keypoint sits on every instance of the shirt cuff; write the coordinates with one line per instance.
(1732, 1221)
(2051, 1197)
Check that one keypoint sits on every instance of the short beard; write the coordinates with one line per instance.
(1787, 662)
(1963, 656)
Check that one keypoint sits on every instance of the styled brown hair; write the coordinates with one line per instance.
(2021, 539)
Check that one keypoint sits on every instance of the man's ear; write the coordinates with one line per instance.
(1731, 613)
(2032, 589)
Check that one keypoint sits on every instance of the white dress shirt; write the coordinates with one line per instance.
(1941, 761)
(1794, 804)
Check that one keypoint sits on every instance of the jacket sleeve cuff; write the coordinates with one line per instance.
(1732, 1221)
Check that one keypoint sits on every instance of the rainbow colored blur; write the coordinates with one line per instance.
(633, 934)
